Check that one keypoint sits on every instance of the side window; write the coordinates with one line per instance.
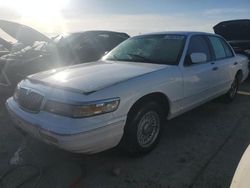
(228, 50)
(103, 41)
(86, 42)
(198, 44)
(218, 47)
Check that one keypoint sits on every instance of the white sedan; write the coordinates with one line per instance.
(126, 97)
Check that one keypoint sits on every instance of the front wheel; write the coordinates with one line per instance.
(143, 129)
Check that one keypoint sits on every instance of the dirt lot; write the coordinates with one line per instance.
(198, 149)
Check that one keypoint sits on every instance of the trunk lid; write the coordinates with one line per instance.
(22, 33)
(234, 30)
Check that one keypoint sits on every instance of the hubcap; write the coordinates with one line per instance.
(148, 129)
(233, 89)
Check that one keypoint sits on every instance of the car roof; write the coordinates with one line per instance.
(186, 33)
(101, 32)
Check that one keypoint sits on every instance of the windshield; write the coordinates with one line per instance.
(159, 49)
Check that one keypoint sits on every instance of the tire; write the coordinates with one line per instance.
(139, 137)
(232, 93)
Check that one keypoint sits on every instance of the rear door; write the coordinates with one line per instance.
(223, 61)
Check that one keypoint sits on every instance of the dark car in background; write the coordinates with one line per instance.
(237, 33)
(3, 50)
(5, 47)
(87, 46)
(35, 52)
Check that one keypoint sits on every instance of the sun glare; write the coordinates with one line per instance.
(39, 9)
(61, 77)
(45, 12)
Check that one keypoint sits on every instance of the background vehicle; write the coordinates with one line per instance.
(35, 52)
(126, 97)
(237, 33)
(5, 47)
(3, 50)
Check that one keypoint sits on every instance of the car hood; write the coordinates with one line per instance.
(233, 30)
(91, 77)
(22, 33)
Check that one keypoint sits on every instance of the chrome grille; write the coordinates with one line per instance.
(28, 99)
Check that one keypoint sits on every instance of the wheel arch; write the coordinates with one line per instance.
(239, 74)
(158, 97)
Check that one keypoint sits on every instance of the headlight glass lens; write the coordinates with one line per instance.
(86, 110)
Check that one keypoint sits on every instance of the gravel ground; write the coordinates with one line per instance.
(198, 149)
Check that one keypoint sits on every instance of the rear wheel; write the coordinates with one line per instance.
(143, 129)
(232, 93)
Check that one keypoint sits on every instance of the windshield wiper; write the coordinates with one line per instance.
(137, 56)
(144, 59)
(115, 57)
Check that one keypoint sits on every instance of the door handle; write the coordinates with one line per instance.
(215, 68)
(235, 63)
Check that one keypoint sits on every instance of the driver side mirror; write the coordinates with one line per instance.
(198, 58)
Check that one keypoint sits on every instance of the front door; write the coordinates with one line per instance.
(197, 79)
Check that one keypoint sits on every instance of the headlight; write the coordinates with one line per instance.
(85, 110)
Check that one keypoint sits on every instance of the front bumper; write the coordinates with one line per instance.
(87, 141)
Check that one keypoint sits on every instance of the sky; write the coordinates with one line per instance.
(130, 16)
